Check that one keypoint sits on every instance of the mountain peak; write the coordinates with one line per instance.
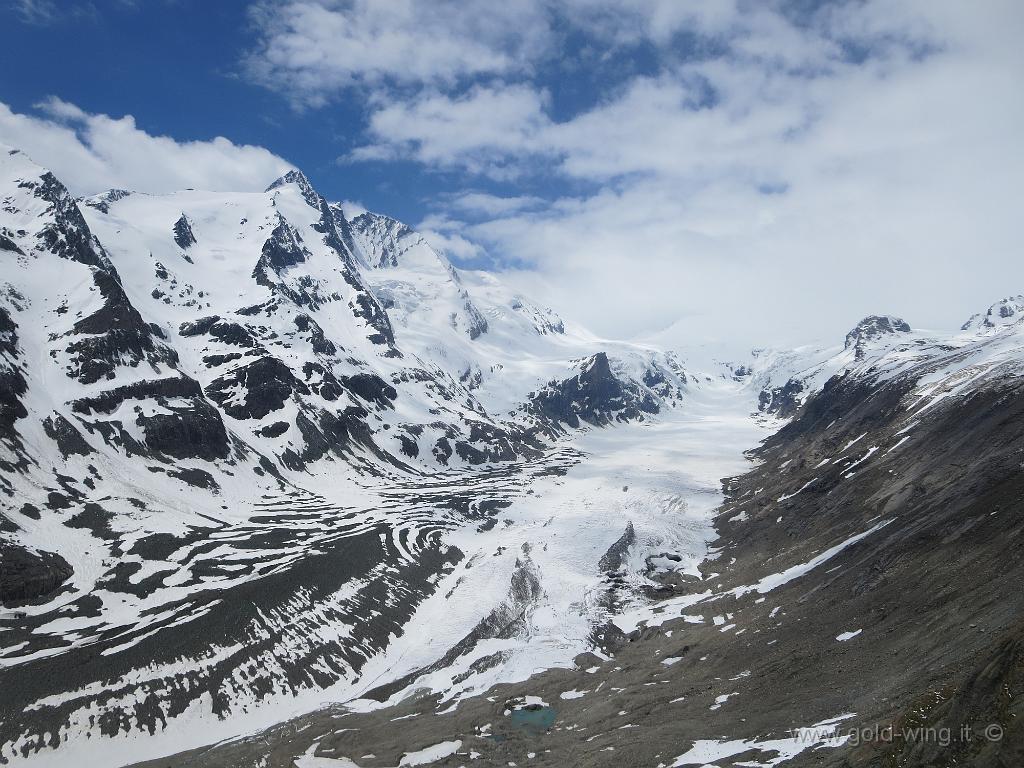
(1004, 312)
(874, 327)
(298, 178)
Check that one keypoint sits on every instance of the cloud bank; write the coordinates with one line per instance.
(780, 168)
(92, 153)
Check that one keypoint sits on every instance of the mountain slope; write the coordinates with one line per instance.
(226, 414)
(860, 581)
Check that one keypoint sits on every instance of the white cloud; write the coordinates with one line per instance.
(777, 179)
(812, 189)
(478, 131)
(443, 234)
(311, 49)
(482, 203)
(37, 11)
(92, 153)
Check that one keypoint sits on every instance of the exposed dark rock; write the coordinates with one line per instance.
(195, 477)
(6, 244)
(596, 396)
(276, 429)
(30, 510)
(12, 383)
(198, 327)
(612, 559)
(69, 440)
(872, 328)
(283, 249)
(1003, 312)
(27, 576)
(781, 401)
(111, 399)
(298, 178)
(94, 518)
(371, 388)
(477, 322)
(113, 335)
(183, 234)
(443, 451)
(102, 202)
(266, 382)
(232, 333)
(409, 446)
(321, 344)
(371, 311)
(213, 361)
(195, 431)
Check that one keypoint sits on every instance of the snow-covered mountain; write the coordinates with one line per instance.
(201, 388)
(260, 459)
(856, 606)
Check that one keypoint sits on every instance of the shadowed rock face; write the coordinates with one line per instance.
(781, 401)
(267, 383)
(12, 382)
(595, 396)
(26, 576)
(183, 234)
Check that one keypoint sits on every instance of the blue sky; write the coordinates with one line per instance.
(686, 170)
(175, 67)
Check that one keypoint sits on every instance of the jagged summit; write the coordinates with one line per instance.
(183, 234)
(1001, 314)
(873, 328)
(299, 179)
(103, 201)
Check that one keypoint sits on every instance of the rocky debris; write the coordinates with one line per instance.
(978, 720)
(860, 573)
